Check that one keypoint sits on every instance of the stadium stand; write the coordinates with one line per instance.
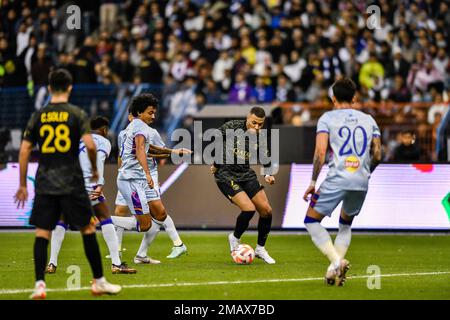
(198, 52)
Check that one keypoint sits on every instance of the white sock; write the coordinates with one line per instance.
(39, 282)
(110, 236)
(119, 232)
(322, 240)
(102, 279)
(147, 239)
(127, 223)
(56, 242)
(169, 226)
(343, 239)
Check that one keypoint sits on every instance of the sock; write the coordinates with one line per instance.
(171, 230)
(322, 240)
(242, 222)
(264, 225)
(147, 239)
(56, 242)
(119, 232)
(127, 223)
(92, 252)
(343, 238)
(110, 236)
(40, 257)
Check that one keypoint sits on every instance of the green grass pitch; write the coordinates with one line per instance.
(412, 267)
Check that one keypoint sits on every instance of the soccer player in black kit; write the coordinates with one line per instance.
(239, 183)
(60, 190)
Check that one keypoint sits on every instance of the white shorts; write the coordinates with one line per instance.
(324, 201)
(136, 194)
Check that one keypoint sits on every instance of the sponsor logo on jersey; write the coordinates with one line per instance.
(352, 164)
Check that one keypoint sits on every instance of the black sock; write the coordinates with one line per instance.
(40, 257)
(264, 225)
(242, 222)
(92, 252)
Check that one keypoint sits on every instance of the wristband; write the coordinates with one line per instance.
(312, 183)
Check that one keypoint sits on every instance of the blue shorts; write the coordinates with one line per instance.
(324, 201)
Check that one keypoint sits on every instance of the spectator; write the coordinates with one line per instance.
(439, 107)
(41, 67)
(398, 65)
(241, 91)
(123, 68)
(372, 72)
(109, 10)
(149, 70)
(442, 63)
(225, 62)
(179, 67)
(248, 51)
(262, 93)
(284, 91)
(425, 76)
(211, 93)
(408, 151)
(399, 93)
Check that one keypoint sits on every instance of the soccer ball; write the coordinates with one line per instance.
(243, 254)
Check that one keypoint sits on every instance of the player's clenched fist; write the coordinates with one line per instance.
(149, 180)
(310, 191)
(270, 179)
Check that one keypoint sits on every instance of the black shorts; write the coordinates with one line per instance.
(231, 188)
(47, 210)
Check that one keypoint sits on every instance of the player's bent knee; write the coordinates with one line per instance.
(89, 229)
(265, 211)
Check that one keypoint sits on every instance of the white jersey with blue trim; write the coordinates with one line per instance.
(131, 168)
(103, 151)
(350, 138)
(156, 141)
(120, 139)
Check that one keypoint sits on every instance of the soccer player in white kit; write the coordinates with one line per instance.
(99, 127)
(354, 140)
(142, 198)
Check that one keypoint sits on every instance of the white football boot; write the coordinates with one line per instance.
(39, 291)
(177, 251)
(261, 252)
(234, 242)
(100, 287)
(145, 260)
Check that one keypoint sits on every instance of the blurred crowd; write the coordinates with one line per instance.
(239, 51)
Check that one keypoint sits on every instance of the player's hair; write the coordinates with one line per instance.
(344, 90)
(59, 80)
(258, 111)
(99, 122)
(142, 102)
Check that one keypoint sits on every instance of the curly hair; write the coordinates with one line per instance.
(141, 102)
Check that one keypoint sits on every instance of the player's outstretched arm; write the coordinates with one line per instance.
(92, 154)
(319, 159)
(22, 193)
(375, 150)
(164, 150)
(141, 156)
